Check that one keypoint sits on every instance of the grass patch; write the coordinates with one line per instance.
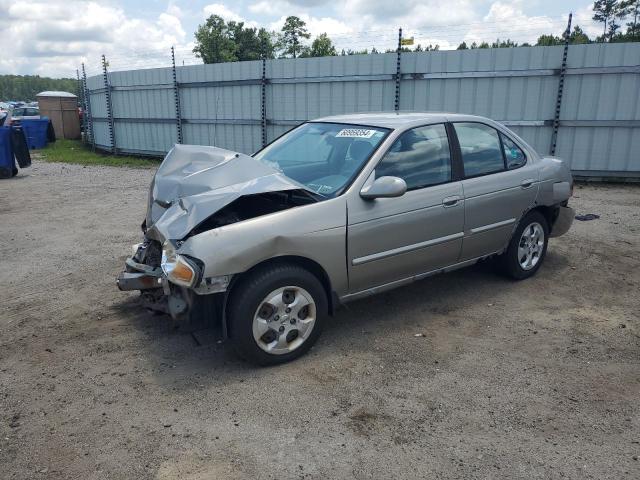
(73, 151)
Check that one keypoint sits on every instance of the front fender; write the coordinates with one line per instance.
(316, 231)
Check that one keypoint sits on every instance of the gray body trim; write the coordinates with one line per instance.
(406, 281)
(408, 248)
(493, 225)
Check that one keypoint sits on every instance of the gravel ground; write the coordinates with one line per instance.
(533, 379)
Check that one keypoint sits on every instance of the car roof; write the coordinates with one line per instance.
(399, 120)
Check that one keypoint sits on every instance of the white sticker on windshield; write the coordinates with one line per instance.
(355, 133)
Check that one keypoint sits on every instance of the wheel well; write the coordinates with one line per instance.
(310, 265)
(550, 214)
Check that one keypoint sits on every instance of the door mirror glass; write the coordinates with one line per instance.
(384, 187)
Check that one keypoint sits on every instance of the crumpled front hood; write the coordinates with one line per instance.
(194, 182)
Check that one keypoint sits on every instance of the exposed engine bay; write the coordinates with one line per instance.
(251, 206)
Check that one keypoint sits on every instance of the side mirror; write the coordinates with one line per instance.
(384, 187)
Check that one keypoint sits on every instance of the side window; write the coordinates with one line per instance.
(421, 157)
(481, 150)
(513, 153)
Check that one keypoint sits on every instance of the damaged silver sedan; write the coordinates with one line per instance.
(335, 210)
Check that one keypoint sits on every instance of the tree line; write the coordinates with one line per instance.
(26, 87)
(218, 41)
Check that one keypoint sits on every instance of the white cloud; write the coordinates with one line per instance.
(583, 17)
(229, 15)
(315, 25)
(265, 7)
(53, 39)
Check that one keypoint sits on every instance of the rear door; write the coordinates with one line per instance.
(392, 239)
(499, 186)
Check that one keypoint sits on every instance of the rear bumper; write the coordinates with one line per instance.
(563, 221)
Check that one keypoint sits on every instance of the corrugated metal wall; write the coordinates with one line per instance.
(221, 104)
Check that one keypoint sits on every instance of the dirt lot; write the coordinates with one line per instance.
(537, 379)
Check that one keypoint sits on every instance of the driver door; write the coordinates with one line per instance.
(391, 239)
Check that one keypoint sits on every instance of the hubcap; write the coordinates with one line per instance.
(284, 320)
(531, 246)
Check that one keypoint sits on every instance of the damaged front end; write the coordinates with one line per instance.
(198, 189)
(167, 281)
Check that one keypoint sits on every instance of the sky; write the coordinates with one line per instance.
(54, 37)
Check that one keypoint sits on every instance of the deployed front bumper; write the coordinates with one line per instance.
(138, 276)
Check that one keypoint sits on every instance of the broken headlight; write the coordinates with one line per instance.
(178, 268)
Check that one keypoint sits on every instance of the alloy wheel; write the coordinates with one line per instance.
(531, 246)
(284, 320)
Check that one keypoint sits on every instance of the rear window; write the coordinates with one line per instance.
(480, 147)
(513, 154)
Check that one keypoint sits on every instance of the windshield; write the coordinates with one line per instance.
(324, 157)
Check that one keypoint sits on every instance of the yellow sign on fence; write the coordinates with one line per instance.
(406, 41)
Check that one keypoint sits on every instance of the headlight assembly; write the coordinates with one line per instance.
(179, 269)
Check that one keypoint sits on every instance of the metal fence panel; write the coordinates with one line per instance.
(221, 104)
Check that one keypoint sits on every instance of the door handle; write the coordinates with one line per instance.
(451, 201)
(527, 183)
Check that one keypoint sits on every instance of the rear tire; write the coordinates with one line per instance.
(527, 248)
(276, 314)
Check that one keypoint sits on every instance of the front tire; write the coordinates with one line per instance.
(527, 248)
(276, 314)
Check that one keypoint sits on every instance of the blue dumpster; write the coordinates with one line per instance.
(7, 161)
(36, 131)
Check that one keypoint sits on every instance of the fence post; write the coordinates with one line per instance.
(107, 92)
(80, 96)
(86, 117)
(79, 86)
(563, 70)
(176, 93)
(398, 57)
(263, 101)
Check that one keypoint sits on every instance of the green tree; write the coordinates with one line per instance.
(462, 46)
(503, 43)
(267, 44)
(632, 7)
(548, 40)
(293, 31)
(250, 43)
(25, 88)
(218, 41)
(322, 46)
(578, 36)
(359, 52)
(607, 12)
(213, 41)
